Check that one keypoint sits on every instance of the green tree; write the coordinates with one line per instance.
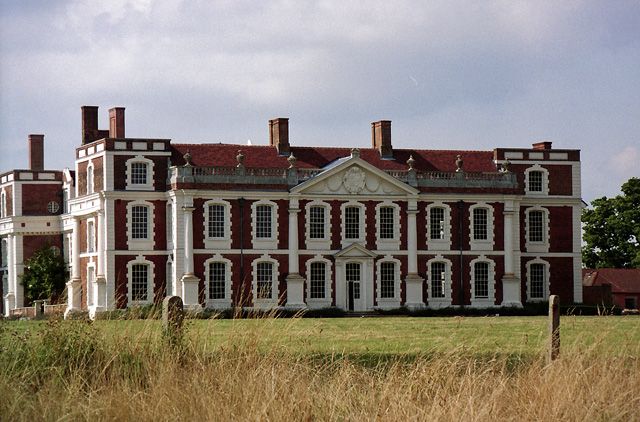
(612, 229)
(45, 275)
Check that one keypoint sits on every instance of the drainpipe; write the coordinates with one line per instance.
(241, 205)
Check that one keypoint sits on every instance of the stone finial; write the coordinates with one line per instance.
(240, 158)
(187, 159)
(355, 153)
(459, 163)
(292, 161)
(505, 166)
(410, 162)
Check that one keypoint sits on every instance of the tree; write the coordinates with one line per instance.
(45, 275)
(612, 229)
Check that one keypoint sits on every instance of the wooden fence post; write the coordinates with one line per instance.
(172, 318)
(554, 328)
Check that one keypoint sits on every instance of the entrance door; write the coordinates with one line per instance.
(354, 299)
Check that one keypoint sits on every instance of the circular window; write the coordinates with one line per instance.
(53, 207)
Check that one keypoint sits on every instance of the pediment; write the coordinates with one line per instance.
(355, 250)
(355, 177)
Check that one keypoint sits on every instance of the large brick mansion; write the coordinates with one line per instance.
(301, 227)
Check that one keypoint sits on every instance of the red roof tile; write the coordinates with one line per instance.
(622, 280)
(224, 155)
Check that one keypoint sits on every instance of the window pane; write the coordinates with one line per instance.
(318, 281)
(536, 226)
(263, 221)
(387, 280)
(537, 281)
(535, 181)
(139, 222)
(436, 223)
(352, 223)
(437, 279)
(316, 222)
(481, 281)
(216, 221)
(217, 280)
(264, 280)
(387, 225)
(139, 274)
(480, 217)
(138, 173)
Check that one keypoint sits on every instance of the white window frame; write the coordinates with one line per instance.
(391, 302)
(90, 178)
(3, 204)
(482, 244)
(224, 303)
(150, 173)
(223, 242)
(270, 242)
(439, 302)
(141, 244)
(91, 236)
(545, 244)
(547, 275)
(439, 244)
(91, 278)
(393, 243)
(275, 291)
(324, 243)
(150, 277)
(362, 226)
(490, 300)
(169, 217)
(316, 303)
(545, 181)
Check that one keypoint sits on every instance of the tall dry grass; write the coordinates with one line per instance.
(72, 371)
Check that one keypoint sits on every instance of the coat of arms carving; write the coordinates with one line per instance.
(354, 180)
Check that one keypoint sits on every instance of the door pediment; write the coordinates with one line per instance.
(355, 250)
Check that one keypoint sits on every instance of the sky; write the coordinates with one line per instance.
(449, 74)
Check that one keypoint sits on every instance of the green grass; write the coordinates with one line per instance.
(392, 336)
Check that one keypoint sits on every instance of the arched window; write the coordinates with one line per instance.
(318, 282)
(218, 282)
(439, 226)
(537, 280)
(265, 224)
(482, 282)
(537, 229)
(217, 224)
(388, 226)
(140, 233)
(481, 226)
(89, 179)
(140, 275)
(318, 225)
(139, 173)
(3, 205)
(388, 282)
(353, 223)
(439, 282)
(265, 282)
(536, 179)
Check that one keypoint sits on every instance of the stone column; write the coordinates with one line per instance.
(18, 269)
(100, 287)
(295, 282)
(189, 281)
(74, 298)
(10, 295)
(510, 282)
(413, 281)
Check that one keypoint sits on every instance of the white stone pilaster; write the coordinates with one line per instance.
(295, 282)
(100, 282)
(189, 281)
(413, 281)
(74, 299)
(10, 295)
(510, 281)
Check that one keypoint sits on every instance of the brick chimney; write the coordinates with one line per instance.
(542, 145)
(381, 138)
(279, 135)
(89, 124)
(116, 122)
(36, 152)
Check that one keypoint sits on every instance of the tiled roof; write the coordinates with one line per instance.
(622, 280)
(264, 156)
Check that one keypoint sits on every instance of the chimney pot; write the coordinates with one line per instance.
(381, 138)
(116, 122)
(279, 135)
(36, 152)
(542, 145)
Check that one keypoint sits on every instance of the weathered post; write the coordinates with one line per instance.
(38, 308)
(554, 328)
(172, 318)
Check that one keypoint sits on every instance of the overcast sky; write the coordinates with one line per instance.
(450, 75)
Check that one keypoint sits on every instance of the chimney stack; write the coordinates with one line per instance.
(89, 124)
(116, 122)
(381, 138)
(36, 152)
(279, 135)
(542, 145)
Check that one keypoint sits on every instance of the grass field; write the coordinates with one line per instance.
(394, 368)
